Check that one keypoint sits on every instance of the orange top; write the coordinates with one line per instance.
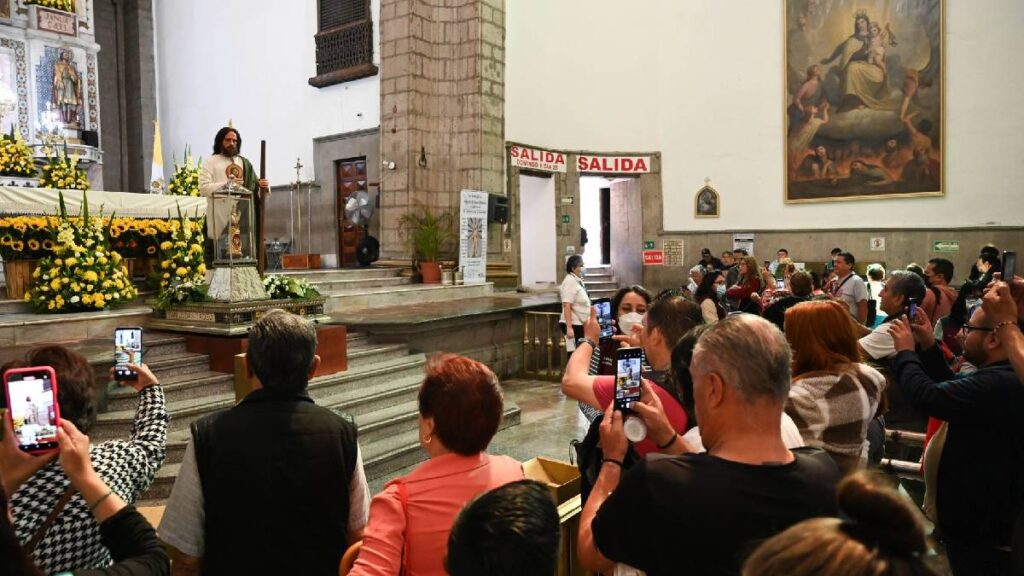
(434, 494)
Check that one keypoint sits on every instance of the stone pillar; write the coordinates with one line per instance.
(442, 77)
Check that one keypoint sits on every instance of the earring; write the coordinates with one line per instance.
(426, 439)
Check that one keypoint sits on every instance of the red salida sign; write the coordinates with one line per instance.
(614, 164)
(536, 159)
(654, 257)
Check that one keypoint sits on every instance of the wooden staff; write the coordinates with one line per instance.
(262, 262)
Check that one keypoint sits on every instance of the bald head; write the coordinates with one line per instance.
(764, 372)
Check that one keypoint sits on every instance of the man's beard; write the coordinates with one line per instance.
(230, 151)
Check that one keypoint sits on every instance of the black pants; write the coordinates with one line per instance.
(577, 336)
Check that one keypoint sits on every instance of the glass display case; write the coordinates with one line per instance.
(232, 215)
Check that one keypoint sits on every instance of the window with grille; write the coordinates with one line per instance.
(344, 42)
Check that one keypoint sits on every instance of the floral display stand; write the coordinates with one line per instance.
(18, 275)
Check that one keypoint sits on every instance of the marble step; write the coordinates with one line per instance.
(339, 285)
(373, 353)
(117, 424)
(603, 285)
(177, 364)
(29, 328)
(367, 399)
(15, 306)
(343, 274)
(603, 276)
(348, 300)
(602, 293)
(176, 388)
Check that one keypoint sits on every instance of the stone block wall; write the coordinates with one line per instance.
(442, 106)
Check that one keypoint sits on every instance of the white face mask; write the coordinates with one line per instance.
(720, 290)
(583, 271)
(627, 321)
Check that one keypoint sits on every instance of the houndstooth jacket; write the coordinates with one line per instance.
(127, 466)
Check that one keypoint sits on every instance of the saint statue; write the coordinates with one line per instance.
(67, 89)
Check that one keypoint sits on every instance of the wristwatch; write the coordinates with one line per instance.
(590, 341)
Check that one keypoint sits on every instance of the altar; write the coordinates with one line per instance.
(46, 202)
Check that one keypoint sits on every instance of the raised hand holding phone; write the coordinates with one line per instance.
(31, 394)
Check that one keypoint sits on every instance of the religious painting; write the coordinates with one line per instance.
(59, 88)
(864, 99)
(8, 91)
(5, 11)
(705, 203)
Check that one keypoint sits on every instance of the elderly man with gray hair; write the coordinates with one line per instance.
(702, 513)
(275, 484)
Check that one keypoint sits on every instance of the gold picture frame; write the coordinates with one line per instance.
(864, 100)
(706, 202)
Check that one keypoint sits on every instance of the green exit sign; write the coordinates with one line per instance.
(648, 244)
(565, 218)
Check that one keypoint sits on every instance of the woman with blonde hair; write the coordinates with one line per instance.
(883, 536)
(747, 286)
(833, 397)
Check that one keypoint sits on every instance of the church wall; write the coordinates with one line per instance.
(702, 83)
(250, 62)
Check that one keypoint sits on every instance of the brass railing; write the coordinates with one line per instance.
(543, 346)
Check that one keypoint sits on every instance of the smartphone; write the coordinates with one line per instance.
(911, 308)
(127, 350)
(627, 377)
(1009, 266)
(604, 318)
(780, 284)
(32, 401)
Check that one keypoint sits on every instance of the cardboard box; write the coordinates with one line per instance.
(562, 478)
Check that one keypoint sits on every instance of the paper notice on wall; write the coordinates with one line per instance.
(673, 252)
(473, 236)
(878, 243)
(743, 241)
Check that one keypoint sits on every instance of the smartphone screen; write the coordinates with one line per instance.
(627, 377)
(32, 400)
(780, 284)
(912, 309)
(1009, 266)
(127, 350)
(604, 317)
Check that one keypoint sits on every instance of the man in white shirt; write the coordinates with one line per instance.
(901, 288)
(214, 174)
(849, 287)
(781, 255)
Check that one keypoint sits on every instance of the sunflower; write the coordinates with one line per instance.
(33, 244)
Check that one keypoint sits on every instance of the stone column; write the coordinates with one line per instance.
(442, 79)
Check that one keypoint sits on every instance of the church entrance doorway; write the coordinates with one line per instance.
(612, 214)
(537, 243)
(350, 176)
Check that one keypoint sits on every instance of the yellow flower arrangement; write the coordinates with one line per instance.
(63, 5)
(182, 272)
(82, 273)
(15, 157)
(62, 172)
(185, 179)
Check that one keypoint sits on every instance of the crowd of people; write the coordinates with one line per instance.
(763, 406)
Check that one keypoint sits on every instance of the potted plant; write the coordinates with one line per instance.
(429, 235)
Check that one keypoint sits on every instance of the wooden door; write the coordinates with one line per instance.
(350, 178)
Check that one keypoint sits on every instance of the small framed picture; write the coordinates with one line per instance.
(705, 203)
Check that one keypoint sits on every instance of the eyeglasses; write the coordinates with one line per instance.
(967, 328)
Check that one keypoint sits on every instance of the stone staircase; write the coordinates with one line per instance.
(380, 287)
(378, 391)
(601, 281)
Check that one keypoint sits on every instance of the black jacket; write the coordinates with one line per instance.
(981, 474)
(275, 471)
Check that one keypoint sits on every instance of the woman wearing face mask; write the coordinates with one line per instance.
(575, 302)
(710, 295)
(628, 308)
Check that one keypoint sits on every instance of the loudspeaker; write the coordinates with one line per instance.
(497, 209)
(91, 138)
